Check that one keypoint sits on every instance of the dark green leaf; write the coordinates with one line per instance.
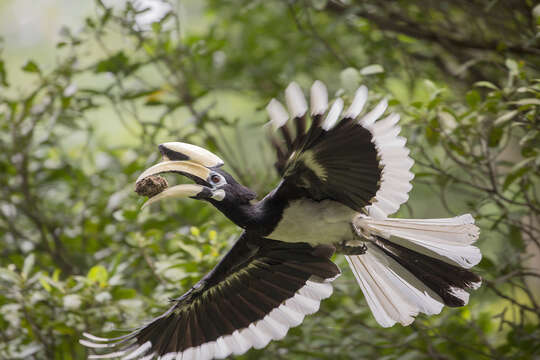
(517, 172)
(516, 240)
(134, 94)
(473, 98)
(115, 64)
(3, 74)
(31, 67)
(495, 136)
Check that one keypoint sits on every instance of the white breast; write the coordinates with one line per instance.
(305, 220)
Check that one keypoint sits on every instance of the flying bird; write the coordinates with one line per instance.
(341, 177)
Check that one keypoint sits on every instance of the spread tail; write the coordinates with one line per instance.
(416, 266)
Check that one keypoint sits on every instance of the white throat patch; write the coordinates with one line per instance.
(219, 195)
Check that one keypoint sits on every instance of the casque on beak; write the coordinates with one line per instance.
(189, 160)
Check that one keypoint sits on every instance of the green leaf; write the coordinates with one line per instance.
(495, 136)
(3, 74)
(43, 281)
(432, 132)
(486, 84)
(9, 275)
(123, 293)
(192, 250)
(195, 231)
(528, 101)
(487, 264)
(516, 240)
(90, 23)
(406, 39)
(372, 69)
(149, 48)
(56, 275)
(115, 64)
(473, 98)
(31, 67)
(504, 118)
(156, 27)
(513, 66)
(517, 171)
(134, 94)
(98, 274)
(28, 265)
(531, 135)
(64, 329)
(106, 17)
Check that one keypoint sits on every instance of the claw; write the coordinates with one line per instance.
(345, 249)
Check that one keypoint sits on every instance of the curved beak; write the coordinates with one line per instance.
(182, 167)
(188, 160)
(183, 151)
(192, 170)
(181, 191)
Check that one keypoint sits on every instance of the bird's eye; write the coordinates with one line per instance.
(215, 179)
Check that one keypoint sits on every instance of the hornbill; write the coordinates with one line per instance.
(340, 181)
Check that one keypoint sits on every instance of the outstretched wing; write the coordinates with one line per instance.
(363, 163)
(259, 290)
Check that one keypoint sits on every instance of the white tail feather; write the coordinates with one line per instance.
(393, 294)
(447, 239)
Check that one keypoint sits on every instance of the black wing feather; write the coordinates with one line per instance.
(341, 163)
(255, 277)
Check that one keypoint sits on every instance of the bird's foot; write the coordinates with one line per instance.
(345, 249)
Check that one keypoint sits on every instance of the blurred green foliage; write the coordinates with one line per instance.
(79, 255)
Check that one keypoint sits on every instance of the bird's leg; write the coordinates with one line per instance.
(345, 246)
(345, 249)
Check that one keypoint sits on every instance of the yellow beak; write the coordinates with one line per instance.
(186, 159)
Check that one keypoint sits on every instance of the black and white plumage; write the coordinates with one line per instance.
(341, 177)
(254, 295)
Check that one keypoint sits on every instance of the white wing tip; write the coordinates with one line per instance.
(318, 98)
(374, 114)
(108, 356)
(93, 345)
(360, 98)
(93, 337)
(333, 114)
(141, 350)
(296, 102)
(278, 114)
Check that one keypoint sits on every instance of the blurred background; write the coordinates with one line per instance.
(89, 88)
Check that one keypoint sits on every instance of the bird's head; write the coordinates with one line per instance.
(212, 183)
